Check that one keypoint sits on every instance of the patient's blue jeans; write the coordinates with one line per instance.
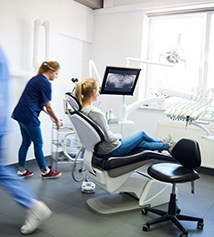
(139, 140)
(31, 134)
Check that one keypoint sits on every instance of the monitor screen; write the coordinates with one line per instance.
(119, 80)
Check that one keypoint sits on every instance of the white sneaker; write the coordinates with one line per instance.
(167, 139)
(35, 216)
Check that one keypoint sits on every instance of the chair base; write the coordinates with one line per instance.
(153, 193)
(113, 203)
(173, 215)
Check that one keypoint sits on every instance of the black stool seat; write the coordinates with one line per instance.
(172, 173)
(187, 153)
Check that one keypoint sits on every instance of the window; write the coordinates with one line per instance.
(210, 54)
(191, 38)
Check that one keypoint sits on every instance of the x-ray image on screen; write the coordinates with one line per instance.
(119, 81)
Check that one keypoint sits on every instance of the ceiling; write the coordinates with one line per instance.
(93, 4)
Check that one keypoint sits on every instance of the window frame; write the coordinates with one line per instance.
(205, 45)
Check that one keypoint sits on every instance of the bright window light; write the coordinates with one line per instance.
(181, 39)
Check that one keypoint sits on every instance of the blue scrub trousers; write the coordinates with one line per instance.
(31, 134)
(12, 184)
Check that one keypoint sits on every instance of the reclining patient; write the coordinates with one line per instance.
(87, 92)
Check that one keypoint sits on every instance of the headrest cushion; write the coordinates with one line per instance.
(73, 101)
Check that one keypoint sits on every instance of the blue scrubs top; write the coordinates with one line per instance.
(37, 91)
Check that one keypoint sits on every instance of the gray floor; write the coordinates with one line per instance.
(71, 217)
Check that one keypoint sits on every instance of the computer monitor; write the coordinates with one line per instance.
(119, 80)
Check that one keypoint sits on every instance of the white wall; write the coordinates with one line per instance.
(71, 31)
(117, 35)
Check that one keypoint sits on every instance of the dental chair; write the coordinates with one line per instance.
(125, 178)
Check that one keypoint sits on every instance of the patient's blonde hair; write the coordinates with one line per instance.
(84, 88)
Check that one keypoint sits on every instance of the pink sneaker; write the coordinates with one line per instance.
(52, 174)
(25, 174)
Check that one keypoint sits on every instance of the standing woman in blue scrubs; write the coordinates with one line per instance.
(35, 98)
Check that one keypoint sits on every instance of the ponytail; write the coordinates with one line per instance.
(47, 66)
(78, 91)
(85, 88)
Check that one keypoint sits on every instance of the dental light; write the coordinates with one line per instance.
(175, 53)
